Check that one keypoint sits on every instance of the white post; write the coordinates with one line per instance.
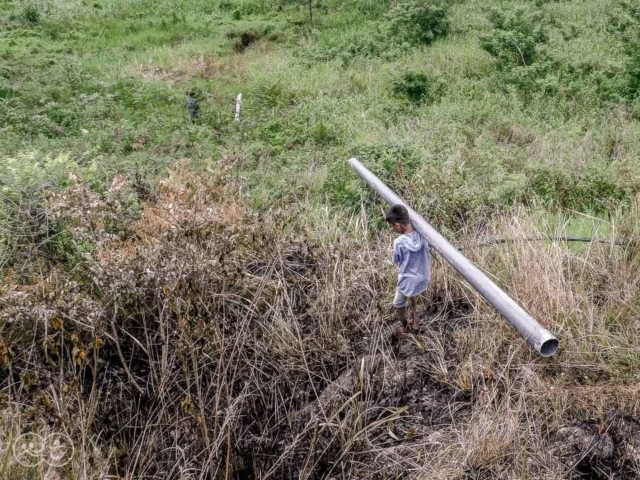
(238, 106)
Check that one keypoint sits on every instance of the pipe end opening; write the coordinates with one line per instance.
(550, 347)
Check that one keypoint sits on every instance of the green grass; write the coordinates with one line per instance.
(106, 83)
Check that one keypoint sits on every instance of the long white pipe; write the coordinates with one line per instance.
(540, 338)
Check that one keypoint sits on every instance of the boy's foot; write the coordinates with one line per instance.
(415, 325)
(401, 320)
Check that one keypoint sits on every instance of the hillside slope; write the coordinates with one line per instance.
(205, 298)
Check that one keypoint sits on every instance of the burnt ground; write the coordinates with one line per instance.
(412, 407)
(373, 414)
(600, 448)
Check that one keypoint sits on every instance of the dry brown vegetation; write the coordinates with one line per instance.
(200, 66)
(205, 340)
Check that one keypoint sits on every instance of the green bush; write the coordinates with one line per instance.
(345, 49)
(393, 163)
(240, 8)
(271, 93)
(60, 245)
(597, 78)
(419, 87)
(517, 39)
(31, 14)
(419, 21)
(365, 8)
(633, 76)
(624, 19)
(28, 172)
(23, 179)
(518, 45)
(624, 23)
(6, 92)
(321, 133)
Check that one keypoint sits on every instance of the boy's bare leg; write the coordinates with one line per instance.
(413, 303)
(401, 316)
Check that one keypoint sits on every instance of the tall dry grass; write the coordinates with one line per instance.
(184, 345)
(205, 340)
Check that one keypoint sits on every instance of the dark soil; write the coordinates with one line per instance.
(599, 449)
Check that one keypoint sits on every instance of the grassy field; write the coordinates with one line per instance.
(211, 298)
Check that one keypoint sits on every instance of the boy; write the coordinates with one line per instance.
(411, 255)
(193, 105)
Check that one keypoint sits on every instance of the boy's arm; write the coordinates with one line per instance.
(397, 254)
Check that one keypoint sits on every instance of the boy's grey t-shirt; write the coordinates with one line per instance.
(411, 254)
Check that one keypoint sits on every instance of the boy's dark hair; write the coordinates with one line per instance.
(398, 214)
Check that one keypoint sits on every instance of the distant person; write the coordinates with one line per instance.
(411, 256)
(193, 106)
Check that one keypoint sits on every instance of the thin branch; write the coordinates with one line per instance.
(549, 238)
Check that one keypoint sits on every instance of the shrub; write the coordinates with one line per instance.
(238, 266)
(346, 49)
(517, 38)
(321, 133)
(419, 21)
(624, 19)
(25, 229)
(249, 7)
(245, 39)
(633, 76)
(6, 92)
(31, 14)
(391, 162)
(624, 22)
(27, 172)
(271, 94)
(602, 79)
(419, 87)
(518, 45)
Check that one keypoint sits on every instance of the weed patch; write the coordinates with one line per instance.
(392, 163)
(593, 190)
(419, 87)
(418, 21)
